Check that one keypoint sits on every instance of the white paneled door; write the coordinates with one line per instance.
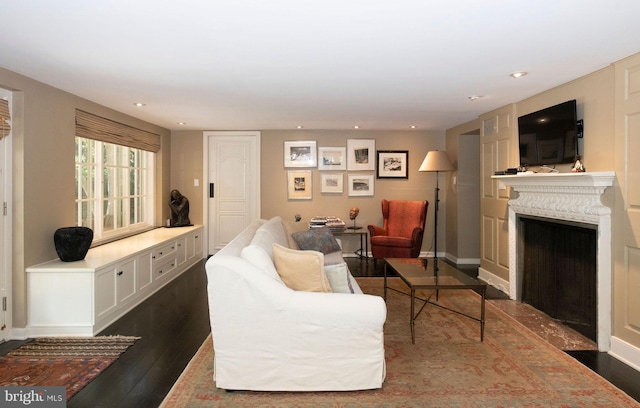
(233, 187)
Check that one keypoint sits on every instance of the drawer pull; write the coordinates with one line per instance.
(120, 273)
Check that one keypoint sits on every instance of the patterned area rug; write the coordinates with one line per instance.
(447, 367)
(69, 362)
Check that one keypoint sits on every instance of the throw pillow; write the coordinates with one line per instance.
(338, 276)
(290, 229)
(317, 239)
(301, 270)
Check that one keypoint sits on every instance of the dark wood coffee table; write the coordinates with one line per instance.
(430, 274)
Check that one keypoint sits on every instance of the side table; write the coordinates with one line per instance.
(363, 251)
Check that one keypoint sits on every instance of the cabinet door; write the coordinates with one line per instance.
(143, 271)
(105, 288)
(194, 242)
(126, 280)
(182, 250)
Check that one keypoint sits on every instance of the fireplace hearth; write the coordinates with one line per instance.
(561, 200)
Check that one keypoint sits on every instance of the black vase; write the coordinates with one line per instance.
(72, 243)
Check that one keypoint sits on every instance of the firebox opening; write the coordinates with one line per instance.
(558, 264)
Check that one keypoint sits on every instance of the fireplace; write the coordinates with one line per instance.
(563, 199)
(558, 267)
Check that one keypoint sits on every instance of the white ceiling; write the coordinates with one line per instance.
(329, 64)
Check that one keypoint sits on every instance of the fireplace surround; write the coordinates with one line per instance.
(572, 197)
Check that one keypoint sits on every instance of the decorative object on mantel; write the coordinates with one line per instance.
(353, 214)
(72, 243)
(179, 205)
(578, 166)
(436, 161)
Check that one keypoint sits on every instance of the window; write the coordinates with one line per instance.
(114, 188)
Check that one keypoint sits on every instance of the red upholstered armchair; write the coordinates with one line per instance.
(402, 230)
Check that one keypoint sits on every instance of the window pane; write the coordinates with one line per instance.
(121, 212)
(108, 182)
(86, 214)
(108, 218)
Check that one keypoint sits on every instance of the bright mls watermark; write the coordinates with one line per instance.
(33, 397)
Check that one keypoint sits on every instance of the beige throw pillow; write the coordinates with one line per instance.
(301, 270)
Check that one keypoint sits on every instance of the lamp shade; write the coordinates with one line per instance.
(436, 161)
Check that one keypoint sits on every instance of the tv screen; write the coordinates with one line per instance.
(548, 136)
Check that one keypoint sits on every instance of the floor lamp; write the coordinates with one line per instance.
(436, 161)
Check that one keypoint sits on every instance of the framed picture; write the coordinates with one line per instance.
(360, 154)
(299, 184)
(332, 158)
(360, 184)
(392, 164)
(332, 183)
(300, 154)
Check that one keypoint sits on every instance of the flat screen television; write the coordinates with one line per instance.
(548, 136)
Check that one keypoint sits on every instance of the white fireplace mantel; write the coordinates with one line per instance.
(566, 196)
(572, 197)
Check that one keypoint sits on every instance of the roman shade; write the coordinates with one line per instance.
(105, 130)
(5, 117)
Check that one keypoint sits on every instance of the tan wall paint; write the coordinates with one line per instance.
(44, 175)
(186, 166)
(463, 196)
(594, 95)
(419, 186)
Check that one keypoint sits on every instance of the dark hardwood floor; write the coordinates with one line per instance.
(172, 325)
(174, 322)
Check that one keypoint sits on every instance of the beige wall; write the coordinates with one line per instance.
(463, 194)
(187, 161)
(43, 172)
(419, 186)
(186, 166)
(594, 95)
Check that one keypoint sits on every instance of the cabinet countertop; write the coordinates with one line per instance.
(115, 251)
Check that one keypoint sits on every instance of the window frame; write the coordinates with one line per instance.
(110, 165)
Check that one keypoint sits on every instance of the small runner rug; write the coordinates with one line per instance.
(70, 362)
(447, 367)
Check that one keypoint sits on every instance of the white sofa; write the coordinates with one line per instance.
(268, 337)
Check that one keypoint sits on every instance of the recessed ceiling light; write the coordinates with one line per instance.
(299, 127)
(182, 123)
(139, 104)
(474, 97)
(517, 74)
(414, 127)
(356, 127)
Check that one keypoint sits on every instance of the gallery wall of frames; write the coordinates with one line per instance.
(353, 167)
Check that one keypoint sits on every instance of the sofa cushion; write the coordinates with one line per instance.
(301, 270)
(259, 258)
(317, 239)
(269, 233)
(338, 276)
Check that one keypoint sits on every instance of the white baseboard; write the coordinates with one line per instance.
(493, 280)
(625, 352)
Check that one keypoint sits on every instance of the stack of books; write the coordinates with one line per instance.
(335, 224)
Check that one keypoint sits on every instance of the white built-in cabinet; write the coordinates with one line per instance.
(83, 297)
